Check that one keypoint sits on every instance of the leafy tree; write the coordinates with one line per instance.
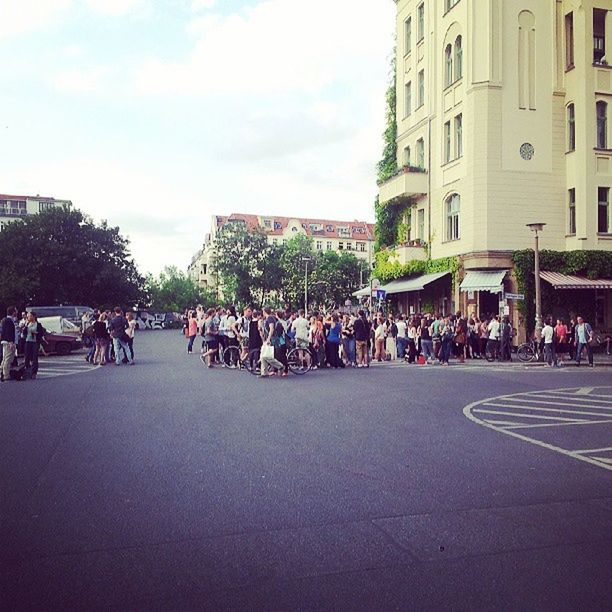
(293, 268)
(61, 256)
(335, 278)
(174, 291)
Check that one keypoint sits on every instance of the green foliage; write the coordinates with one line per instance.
(389, 268)
(592, 264)
(174, 291)
(61, 256)
(387, 166)
(391, 223)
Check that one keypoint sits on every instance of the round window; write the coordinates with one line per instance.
(527, 151)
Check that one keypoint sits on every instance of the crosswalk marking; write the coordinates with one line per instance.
(588, 405)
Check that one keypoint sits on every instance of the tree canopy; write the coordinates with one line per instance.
(174, 291)
(61, 256)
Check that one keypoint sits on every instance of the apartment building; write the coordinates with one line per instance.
(356, 237)
(502, 112)
(14, 207)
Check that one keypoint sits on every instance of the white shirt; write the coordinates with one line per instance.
(301, 327)
(380, 332)
(493, 330)
(547, 334)
(401, 329)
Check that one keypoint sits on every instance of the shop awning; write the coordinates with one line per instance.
(566, 281)
(418, 283)
(365, 292)
(483, 280)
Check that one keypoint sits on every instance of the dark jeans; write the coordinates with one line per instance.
(190, 345)
(31, 356)
(579, 350)
(130, 344)
(412, 351)
(445, 350)
(331, 352)
(280, 354)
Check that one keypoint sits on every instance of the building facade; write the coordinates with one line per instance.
(356, 237)
(14, 207)
(502, 113)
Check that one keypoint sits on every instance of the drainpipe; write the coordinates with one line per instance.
(429, 190)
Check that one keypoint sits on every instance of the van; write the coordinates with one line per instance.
(74, 314)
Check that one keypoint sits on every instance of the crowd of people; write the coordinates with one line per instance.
(109, 335)
(339, 340)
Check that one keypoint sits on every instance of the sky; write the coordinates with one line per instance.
(157, 114)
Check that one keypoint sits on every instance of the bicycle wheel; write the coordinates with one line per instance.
(525, 353)
(231, 357)
(299, 361)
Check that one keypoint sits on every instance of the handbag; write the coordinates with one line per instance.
(267, 351)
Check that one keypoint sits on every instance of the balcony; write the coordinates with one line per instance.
(411, 250)
(12, 212)
(409, 182)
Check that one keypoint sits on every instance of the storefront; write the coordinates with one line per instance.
(483, 293)
(428, 293)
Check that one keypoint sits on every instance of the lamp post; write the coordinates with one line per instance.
(537, 227)
(306, 260)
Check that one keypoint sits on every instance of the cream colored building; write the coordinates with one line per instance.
(503, 105)
(15, 207)
(356, 237)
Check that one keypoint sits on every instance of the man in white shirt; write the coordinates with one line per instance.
(547, 335)
(401, 336)
(301, 328)
(493, 341)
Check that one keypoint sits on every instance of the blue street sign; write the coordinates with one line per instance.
(381, 294)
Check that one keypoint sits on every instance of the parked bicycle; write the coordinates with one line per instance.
(530, 351)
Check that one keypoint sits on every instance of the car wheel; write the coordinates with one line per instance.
(62, 348)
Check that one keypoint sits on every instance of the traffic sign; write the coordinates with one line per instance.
(515, 296)
(381, 294)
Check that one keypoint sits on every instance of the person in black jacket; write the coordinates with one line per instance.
(361, 329)
(7, 338)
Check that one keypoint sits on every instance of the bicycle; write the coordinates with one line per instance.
(529, 351)
(229, 357)
(300, 360)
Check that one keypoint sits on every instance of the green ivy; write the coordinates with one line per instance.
(592, 264)
(388, 267)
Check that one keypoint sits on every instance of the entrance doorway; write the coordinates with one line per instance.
(488, 304)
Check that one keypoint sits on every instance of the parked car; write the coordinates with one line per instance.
(73, 313)
(59, 325)
(61, 344)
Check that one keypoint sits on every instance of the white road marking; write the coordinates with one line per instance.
(594, 450)
(585, 392)
(562, 399)
(568, 404)
(540, 409)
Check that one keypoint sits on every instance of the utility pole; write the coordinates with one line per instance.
(306, 260)
(537, 227)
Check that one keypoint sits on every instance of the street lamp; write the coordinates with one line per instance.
(537, 227)
(306, 260)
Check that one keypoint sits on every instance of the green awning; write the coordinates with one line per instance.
(484, 280)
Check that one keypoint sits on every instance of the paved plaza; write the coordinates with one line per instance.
(167, 486)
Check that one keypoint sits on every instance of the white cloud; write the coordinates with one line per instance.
(20, 16)
(276, 46)
(199, 5)
(117, 8)
(81, 81)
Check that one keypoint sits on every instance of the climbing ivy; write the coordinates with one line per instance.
(592, 264)
(388, 267)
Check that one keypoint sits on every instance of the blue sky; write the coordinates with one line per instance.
(157, 114)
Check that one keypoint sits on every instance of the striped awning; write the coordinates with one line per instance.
(417, 283)
(365, 292)
(483, 280)
(566, 281)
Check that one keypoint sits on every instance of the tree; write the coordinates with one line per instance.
(335, 278)
(174, 291)
(293, 268)
(62, 257)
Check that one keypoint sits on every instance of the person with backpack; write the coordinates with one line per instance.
(7, 338)
(584, 338)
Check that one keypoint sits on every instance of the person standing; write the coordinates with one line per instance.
(447, 334)
(379, 339)
(210, 330)
(584, 337)
(493, 341)
(561, 334)
(118, 325)
(31, 344)
(270, 338)
(547, 335)
(402, 338)
(8, 331)
(254, 338)
(334, 330)
(362, 335)
(192, 330)
(391, 342)
(505, 334)
(101, 339)
(130, 332)
(426, 341)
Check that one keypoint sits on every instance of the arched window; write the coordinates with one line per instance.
(453, 205)
(448, 63)
(458, 58)
(571, 127)
(602, 124)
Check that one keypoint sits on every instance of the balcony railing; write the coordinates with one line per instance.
(12, 212)
(409, 182)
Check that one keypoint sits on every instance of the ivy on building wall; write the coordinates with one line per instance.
(389, 268)
(592, 264)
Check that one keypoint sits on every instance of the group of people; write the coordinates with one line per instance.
(111, 335)
(563, 342)
(23, 336)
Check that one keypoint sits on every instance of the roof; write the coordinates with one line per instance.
(23, 198)
(483, 280)
(417, 283)
(567, 281)
(323, 228)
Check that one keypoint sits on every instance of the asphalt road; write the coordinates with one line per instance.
(166, 486)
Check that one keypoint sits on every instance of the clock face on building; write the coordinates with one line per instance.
(527, 151)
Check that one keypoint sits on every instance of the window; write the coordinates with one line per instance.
(406, 156)
(421, 22)
(420, 152)
(599, 35)
(349, 246)
(449, 4)
(447, 142)
(458, 58)
(569, 41)
(421, 100)
(319, 245)
(571, 128)
(408, 99)
(274, 241)
(602, 125)
(458, 136)
(341, 246)
(268, 223)
(329, 246)
(42, 206)
(362, 247)
(421, 224)
(344, 232)
(448, 65)
(407, 35)
(284, 241)
(603, 210)
(453, 204)
(571, 211)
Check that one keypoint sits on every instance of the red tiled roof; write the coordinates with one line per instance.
(358, 230)
(23, 198)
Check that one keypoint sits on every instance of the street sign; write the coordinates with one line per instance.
(375, 283)
(515, 296)
(381, 294)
